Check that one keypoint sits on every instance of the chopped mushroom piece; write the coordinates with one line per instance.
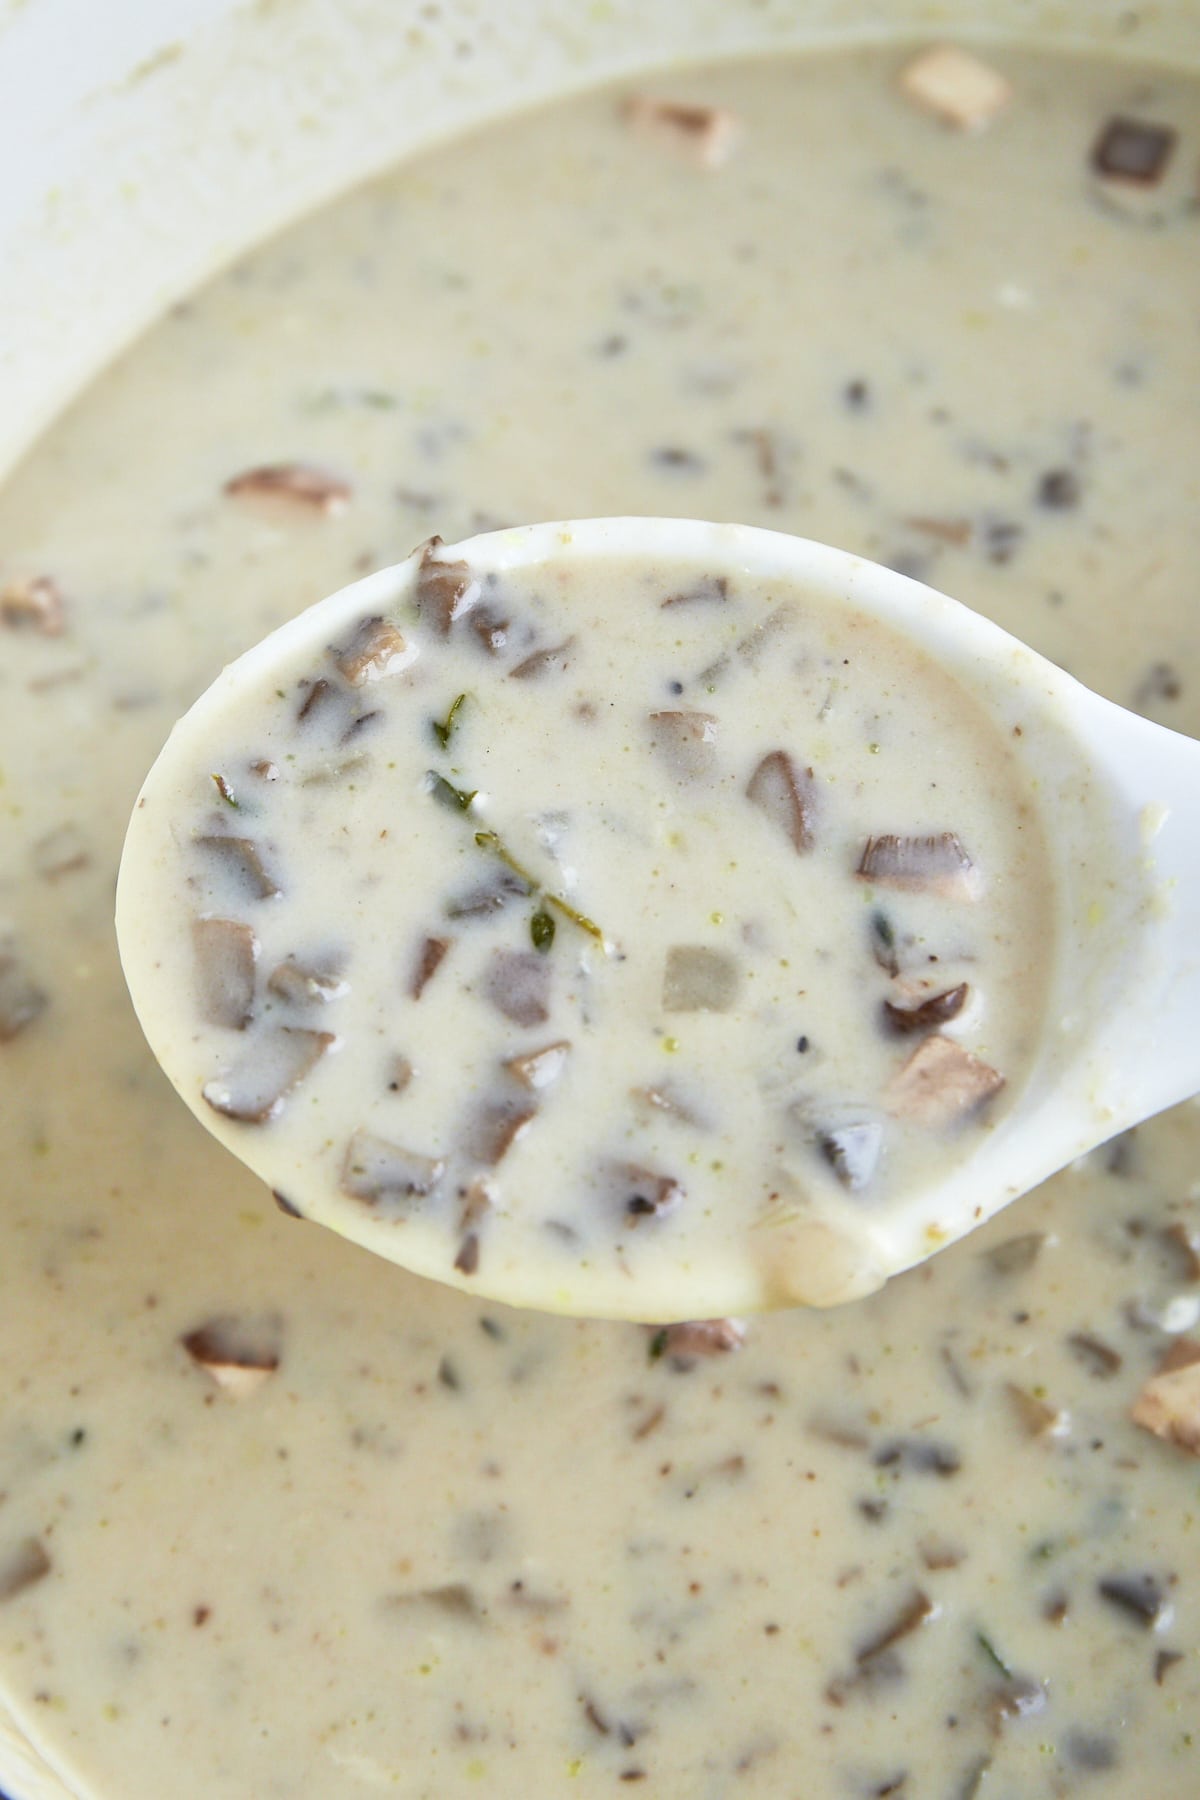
(500, 889)
(1169, 1404)
(1037, 1417)
(699, 979)
(238, 1355)
(301, 485)
(243, 859)
(496, 1127)
(518, 985)
(787, 795)
(1185, 1239)
(707, 135)
(272, 1064)
(1141, 1596)
(478, 1201)
(916, 1611)
(939, 1009)
(444, 591)
(21, 999)
(540, 1068)
(941, 1083)
(226, 952)
(388, 1177)
(35, 604)
(22, 1566)
(932, 865)
(665, 1097)
(1016, 1255)
(429, 960)
(686, 740)
(960, 88)
(646, 1195)
(375, 648)
(301, 985)
(491, 628)
(1133, 150)
(703, 1337)
(550, 661)
(708, 588)
(852, 1150)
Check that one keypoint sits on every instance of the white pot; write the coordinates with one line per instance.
(145, 143)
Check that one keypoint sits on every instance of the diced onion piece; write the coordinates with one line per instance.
(387, 1176)
(375, 648)
(787, 795)
(238, 1355)
(1169, 1404)
(687, 742)
(243, 859)
(443, 591)
(539, 1069)
(941, 1083)
(271, 1065)
(960, 88)
(699, 979)
(301, 485)
(518, 985)
(226, 951)
(707, 135)
(21, 999)
(936, 864)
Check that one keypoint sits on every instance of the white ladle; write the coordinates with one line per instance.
(1119, 801)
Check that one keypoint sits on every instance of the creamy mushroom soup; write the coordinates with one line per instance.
(277, 1519)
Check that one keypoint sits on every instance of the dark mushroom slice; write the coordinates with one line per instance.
(488, 897)
(495, 1127)
(443, 592)
(941, 1084)
(477, 1202)
(22, 1566)
(916, 1611)
(707, 590)
(788, 796)
(645, 1194)
(1141, 1597)
(389, 1178)
(852, 1149)
(697, 978)
(1133, 150)
(242, 858)
(272, 1064)
(226, 952)
(238, 1354)
(491, 627)
(302, 485)
(302, 984)
(61, 852)
(430, 957)
(21, 999)
(540, 1068)
(936, 864)
(318, 695)
(517, 983)
(686, 741)
(928, 1014)
(376, 647)
(35, 604)
(553, 660)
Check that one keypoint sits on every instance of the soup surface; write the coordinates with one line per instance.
(277, 1519)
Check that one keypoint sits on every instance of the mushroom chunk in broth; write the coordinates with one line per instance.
(679, 894)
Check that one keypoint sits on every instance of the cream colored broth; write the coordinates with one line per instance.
(442, 1546)
(570, 932)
